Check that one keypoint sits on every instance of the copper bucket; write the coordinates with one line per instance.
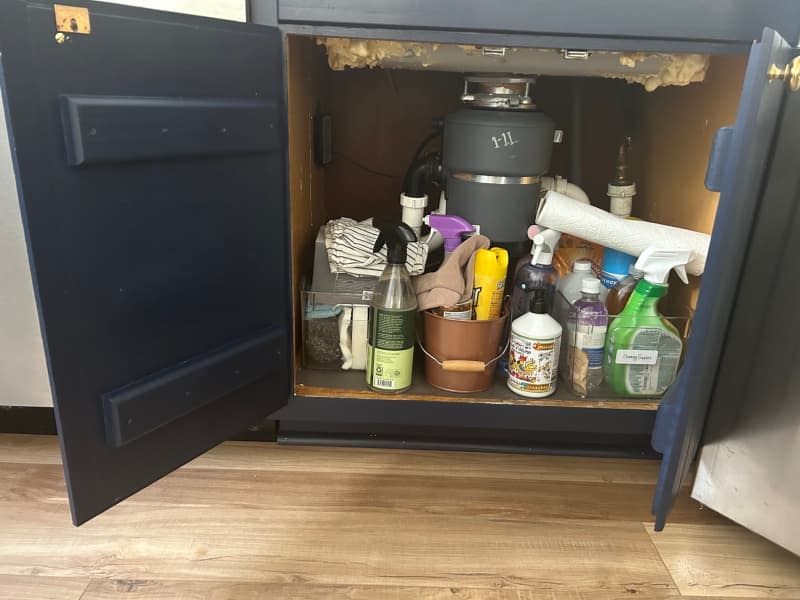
(461, 356)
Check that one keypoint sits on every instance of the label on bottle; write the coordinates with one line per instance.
(591, 339)
(488, 297)
(609, 280)
(654, 378)
(457, 312)
(390, 349)
(585, 345)
(533, 364)
(628, 356)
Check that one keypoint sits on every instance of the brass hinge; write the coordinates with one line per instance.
(790, 73)
(72, 19)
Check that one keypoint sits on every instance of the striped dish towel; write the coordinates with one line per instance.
(350, 243)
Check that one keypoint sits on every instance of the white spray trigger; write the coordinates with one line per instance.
(656, 263)
(680, 271)
(544, 245)
(538, 246)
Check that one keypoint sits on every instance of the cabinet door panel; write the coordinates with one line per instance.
(682, 414)
(150, 158)
(750, 459)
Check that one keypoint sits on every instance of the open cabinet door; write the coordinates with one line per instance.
(749, 467)
(740, 163)
(150, 157)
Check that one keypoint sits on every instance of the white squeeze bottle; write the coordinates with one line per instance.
(533, 350)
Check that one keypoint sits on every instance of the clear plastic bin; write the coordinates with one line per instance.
(648, 370)
(335, 331)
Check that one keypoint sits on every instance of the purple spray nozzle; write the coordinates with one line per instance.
(450, 227)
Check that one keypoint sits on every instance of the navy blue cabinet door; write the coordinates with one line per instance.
(150, 157)
(748, 153)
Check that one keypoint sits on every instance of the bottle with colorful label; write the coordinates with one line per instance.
(534, 350)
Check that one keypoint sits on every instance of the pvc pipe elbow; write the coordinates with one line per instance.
(562, 186)
(576, 193)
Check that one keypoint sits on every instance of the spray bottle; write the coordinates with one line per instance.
(392, 313)
(450, 227)
(642, 348)
(538, 273)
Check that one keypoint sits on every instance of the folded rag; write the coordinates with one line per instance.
(350, 243)
(452, 283)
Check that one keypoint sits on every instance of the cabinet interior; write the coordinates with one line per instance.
(379, 116)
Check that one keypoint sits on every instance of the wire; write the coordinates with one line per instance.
(364, 167)
(428, 138)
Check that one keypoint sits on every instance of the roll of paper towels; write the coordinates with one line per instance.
(631, 236)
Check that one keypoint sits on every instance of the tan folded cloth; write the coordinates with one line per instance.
(452, 283)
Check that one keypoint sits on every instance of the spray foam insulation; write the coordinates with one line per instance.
(650, 69)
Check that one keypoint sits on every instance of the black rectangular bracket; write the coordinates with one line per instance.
(145, 405)
(124, 128)
(715, 173)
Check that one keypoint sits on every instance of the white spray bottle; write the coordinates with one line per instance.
(538, 273)
(643, 348)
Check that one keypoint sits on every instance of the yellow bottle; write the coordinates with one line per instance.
(489, 284)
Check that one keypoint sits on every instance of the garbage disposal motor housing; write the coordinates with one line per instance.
(495, 150)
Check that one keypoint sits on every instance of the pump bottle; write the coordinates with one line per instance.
(539, 273)
(534, 351)
(392, 314)
(642, 348)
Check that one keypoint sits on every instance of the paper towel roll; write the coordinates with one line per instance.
(630, 236)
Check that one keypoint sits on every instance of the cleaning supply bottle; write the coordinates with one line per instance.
(489, 282)
(568, 291)
(538, 273)
(619, 294)
(621, 190)
(392, 313)
(450, 227)
(533, 350)
(642, 348)
(587, 324)
(570, 286)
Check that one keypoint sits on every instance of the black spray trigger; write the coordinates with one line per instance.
(395, 235)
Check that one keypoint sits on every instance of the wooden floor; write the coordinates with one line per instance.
(250, 521)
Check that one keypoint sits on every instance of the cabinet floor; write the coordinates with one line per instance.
(253, 520)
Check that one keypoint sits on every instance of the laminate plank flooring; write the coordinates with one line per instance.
(253, 520)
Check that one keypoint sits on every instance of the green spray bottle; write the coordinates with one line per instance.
(642, 348)
(392, 313)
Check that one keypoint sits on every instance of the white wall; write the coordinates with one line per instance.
(234, 10)
(23, 372)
